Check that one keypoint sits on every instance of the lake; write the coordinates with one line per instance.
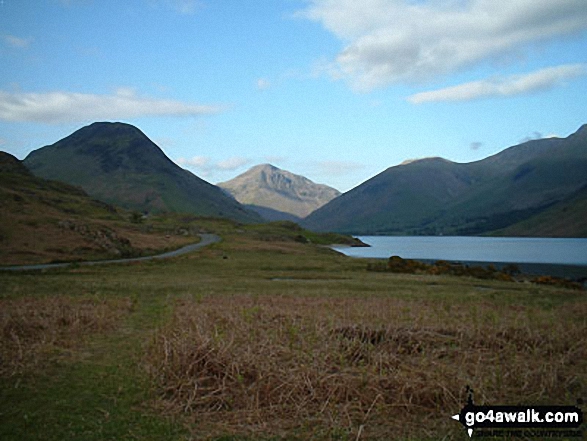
(474, 249)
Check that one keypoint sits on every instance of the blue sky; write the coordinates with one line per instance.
(335, 90)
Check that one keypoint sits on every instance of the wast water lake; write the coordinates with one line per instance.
(549, 251)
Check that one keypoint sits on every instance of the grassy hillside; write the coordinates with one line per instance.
(46, 221)
(555, 221)
(118, 164)
(263, 337)
(399, 196)
(434, 196)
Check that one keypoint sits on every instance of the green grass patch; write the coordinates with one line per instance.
(264, 337)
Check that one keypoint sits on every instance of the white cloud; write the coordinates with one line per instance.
(17, 42)
(232, 163)
(275, 159)
(195, 161)
(186, 7)
(66, 107)
(206, 165)
(532, 137)
(263, 84)
(183, 7)
(503, 86)
(165, 142)
(390, 41)
(337, 168)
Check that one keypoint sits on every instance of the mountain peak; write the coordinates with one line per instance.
(530, 187)
(267, 186)
(433, 159)
(108, 129)
(10, 164)
(117, 163)
(266, 166)
(113, 145)
(581, 133)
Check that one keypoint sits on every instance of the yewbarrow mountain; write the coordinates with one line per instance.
(538, 188)
(116, 163)
(278, 194)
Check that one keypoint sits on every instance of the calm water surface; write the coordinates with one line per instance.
(477, 249)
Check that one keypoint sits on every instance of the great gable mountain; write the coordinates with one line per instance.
(118, 164)
(278, 194)
(538, 188)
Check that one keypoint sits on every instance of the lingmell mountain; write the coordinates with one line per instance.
(537, 188)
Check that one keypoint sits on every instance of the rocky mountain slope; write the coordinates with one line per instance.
(278, 194)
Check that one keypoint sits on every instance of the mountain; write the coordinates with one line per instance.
(46, 220)
(278, 194)
(535, 188)
(118, 164)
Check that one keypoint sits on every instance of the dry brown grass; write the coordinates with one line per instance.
(32, 239)
(31, 330)
(364, 367)
(246, 243)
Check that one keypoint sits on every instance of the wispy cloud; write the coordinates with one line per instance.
(207, 167)
(476, 145)
(186, 7)
(276, 159)
(337, 168)
(391, 41)
(263, 84)
(532, 137)
(503, 86)
(66, 107)
(182, 7)
(233, 163)
(68, 3)
(17, 42)
(194, 161)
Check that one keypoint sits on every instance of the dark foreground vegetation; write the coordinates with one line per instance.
(507, 273)
(268, 336)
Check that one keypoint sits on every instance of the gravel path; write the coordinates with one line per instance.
(207, 239)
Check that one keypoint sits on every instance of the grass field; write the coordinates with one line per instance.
(262, 336)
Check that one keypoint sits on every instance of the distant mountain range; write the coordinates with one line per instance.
(278, 194)
(538, 188)
(118, 164)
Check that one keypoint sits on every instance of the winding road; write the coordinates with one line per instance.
(207, 239)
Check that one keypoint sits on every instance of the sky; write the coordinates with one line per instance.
(335, 90)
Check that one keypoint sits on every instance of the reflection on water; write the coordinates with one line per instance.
(477, 249)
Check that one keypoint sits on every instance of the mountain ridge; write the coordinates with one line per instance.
(119, 164)
(435, 196)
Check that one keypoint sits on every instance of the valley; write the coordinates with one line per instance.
(261, 336)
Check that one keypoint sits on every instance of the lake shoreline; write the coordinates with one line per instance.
(571, 272)
(566, 258)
